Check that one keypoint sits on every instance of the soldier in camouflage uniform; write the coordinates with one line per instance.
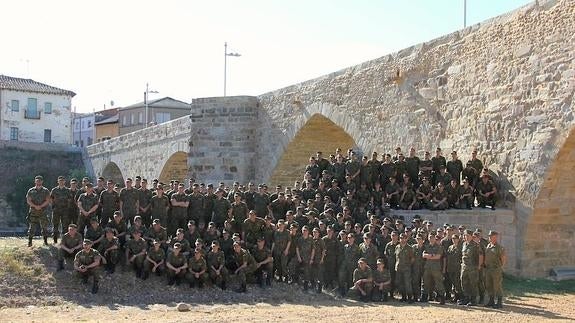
(155, 260)
(110, 202)
(362, 281)
(86, 264)
(136, 252)
(38, 199)
(433, 269)
(216, 266)
(241, 266)
(197, 270)
(351, 254)
(453, 266)
(88, 205)
(279, 250)
(176, 265)
(60, 197)
(471, 260)
(129, 202)
(305, 255)
(110, 251)
(264, 263)
(381, 282)
(69, 245)
(494, 261)
(404, 258)
(417, 268)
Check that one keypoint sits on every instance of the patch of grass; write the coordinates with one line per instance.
(521, 286)
(19, 262)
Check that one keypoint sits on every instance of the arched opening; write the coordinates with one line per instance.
(175, 168)
(113, 172)
(318, 134)
(549, 237)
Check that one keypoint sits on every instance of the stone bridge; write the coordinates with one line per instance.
(504, 87)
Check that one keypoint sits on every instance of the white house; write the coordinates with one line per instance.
(31, 111)
(84, 130)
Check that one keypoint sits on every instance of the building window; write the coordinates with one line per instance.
(15, 105)
(90, 141)
(140, 118)
(125, 120)
(32, 109)
(47, 135)
(47, 107)
(162, 117)
(89, 123)
(133, 119)
(13, 133)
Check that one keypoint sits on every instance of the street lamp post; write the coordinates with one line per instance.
(148, 91)
(226, 54)
(464, 13)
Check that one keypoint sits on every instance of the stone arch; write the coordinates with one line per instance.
(549, 235)
(317, 133)
(176, 167)
(113, 172)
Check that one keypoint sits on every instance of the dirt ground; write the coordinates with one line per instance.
(32, 291)
(524, 309)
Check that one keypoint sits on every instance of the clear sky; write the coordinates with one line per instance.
(107, 50)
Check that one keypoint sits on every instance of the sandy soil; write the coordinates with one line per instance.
(528, 308)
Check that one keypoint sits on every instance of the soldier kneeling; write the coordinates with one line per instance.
(381, 281)
(362, 281)
(86, 264)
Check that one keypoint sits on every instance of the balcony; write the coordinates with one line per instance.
(28, 114)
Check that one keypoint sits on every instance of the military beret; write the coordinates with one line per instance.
(380, 261)
(387, 219)
(39, 177)
(199, 240)
(191, 222)
(260, 238)
(180, 230)
(109, 229)
(177, 245)
(293, 226)
(156, 221)
(87, 241)
(467, 231)
(88, 185)
(478, 230)
(154, 241)
(362, 260)
(493, 233)
(455, 236)
(269, 217)
(236, 235)
(136, 232)
(215, 243)
(61, 177)
(72, 225)
(137, 217)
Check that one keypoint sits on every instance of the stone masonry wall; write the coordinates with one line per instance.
(223, 139)
(144, 152)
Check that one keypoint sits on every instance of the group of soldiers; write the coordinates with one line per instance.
(205, 235)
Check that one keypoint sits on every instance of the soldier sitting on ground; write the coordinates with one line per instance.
(69, 245)
(86, 264)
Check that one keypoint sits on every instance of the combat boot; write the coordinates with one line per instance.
(491, 302)
(95, 287)
(403, 298)
(441, 299)
(319, 289)
(481, 299)
(55, 238)
(410, 299)
(423, 298)
(45, 241)
(463, 301)
(499, 303)
(30, 242)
